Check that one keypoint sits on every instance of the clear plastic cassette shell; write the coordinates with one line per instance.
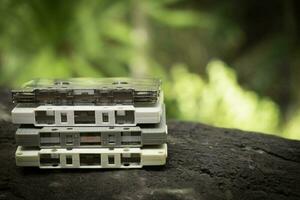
(92, 137)
(97, 91)
(121, 115)
(91, 157)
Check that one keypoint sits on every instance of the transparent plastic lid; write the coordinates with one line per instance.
(96, 91)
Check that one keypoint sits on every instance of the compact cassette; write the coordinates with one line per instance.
(92, 158)
(92, 137)
(97, 91)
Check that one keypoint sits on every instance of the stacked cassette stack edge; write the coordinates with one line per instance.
(90, 123)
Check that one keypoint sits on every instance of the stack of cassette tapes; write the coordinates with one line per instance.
(90, 123)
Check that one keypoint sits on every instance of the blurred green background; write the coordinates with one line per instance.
(228, 63)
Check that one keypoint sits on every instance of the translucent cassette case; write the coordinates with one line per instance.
(98, 91)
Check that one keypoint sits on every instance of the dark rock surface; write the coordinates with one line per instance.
(204, 163)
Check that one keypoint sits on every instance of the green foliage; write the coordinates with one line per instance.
(221, 101)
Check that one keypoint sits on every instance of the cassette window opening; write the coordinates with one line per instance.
(90, 139)
(111, 159)
(84, 117)
(63, 118)
(130, 159)
(44, 117)
(49, 160)
(49, 139)
(124, 116)
(105, 117)
(111, 139)
(90, 159)
(131, 138)
(69, 140)
(69, 160)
